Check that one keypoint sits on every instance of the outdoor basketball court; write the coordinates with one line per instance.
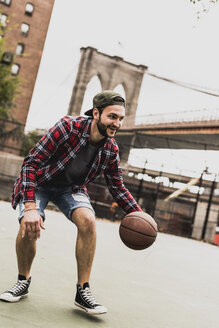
(173, 284)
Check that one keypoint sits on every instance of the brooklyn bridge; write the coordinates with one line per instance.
(194, 212)
(197, 129)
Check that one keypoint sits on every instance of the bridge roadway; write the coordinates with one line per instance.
(184, 130)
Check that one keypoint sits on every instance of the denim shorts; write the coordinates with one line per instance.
(62, 197)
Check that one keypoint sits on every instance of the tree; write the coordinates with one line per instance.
(8, 90)
(203, 6)
(194, 1)
(29, 141)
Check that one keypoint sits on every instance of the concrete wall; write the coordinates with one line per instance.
(10, 166)
(200, 218)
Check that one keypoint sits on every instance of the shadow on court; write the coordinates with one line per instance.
(173, 284)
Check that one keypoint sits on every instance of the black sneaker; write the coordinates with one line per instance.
(86, 301)
(18, 291)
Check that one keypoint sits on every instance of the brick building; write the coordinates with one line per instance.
(26, 28)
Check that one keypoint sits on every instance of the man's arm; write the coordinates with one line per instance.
(37, 157)
(120, 193)
(40, 155)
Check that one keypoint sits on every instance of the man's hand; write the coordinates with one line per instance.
(31, 224)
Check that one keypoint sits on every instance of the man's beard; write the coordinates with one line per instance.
(102, 128)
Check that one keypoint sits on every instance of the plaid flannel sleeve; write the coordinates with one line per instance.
(40, 155)
(117, 188)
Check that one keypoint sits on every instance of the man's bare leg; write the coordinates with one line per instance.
(84, 219)
(85, 249)
(26, 250)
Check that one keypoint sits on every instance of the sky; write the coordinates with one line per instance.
(166, 36)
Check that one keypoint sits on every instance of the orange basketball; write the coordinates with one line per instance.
(138, 230)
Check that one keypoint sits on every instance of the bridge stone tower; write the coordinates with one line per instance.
(111, 71)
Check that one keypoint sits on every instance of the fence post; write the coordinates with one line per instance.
(197, 200)
(141, 183)
(208, 208)
(157, 192)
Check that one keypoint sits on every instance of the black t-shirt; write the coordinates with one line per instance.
(77, 170)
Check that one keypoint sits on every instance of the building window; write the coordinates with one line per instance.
(25, 29)
(29, 9)
(20, 49)
(3, 19)
(6, 2)
(15, 68)
(7, 58)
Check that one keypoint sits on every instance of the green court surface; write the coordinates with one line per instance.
(172, 284)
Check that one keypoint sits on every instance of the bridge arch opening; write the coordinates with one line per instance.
(113, 72)
(93, 87)
(120, 89)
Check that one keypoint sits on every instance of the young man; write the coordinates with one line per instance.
(73, 153)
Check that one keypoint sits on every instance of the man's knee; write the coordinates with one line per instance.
(84, 219)
(24, 239)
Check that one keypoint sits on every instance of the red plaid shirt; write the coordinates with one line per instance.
(57, 148)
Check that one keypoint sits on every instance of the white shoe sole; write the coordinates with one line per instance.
(98, 310)
(10, 298)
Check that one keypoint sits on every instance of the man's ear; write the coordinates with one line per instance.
(96, 113)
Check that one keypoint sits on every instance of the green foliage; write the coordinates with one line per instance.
(204, 3)
(203, 6)
(8, 86)
(29, 141)
(210, 1)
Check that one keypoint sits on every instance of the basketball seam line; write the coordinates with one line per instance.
(138, 217)
(141, 233)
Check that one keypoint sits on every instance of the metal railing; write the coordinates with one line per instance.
(202, 115)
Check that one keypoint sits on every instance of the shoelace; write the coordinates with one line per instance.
(19, 286)
(86, 293)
